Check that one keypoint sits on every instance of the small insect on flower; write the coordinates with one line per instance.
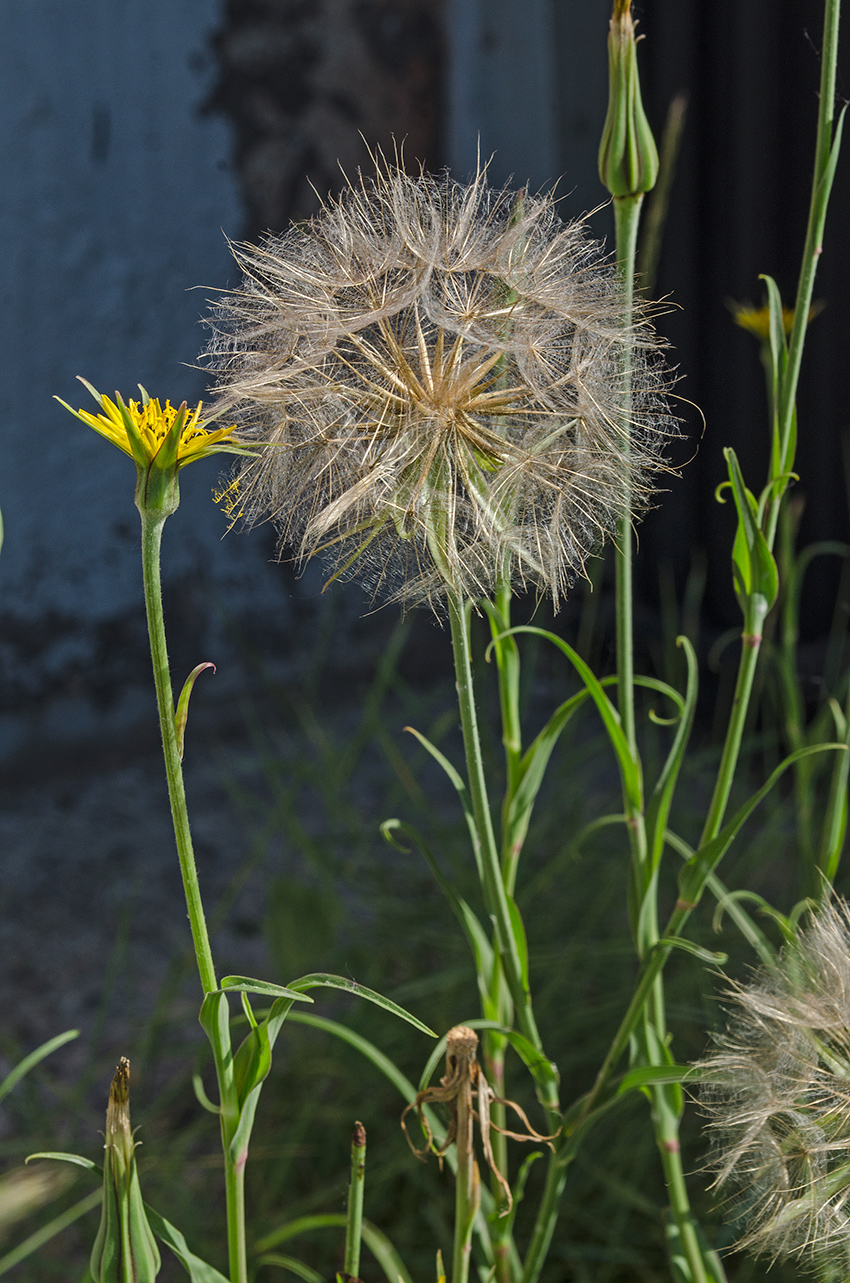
(776, 1091)
(448, 384)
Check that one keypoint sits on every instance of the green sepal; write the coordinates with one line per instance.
(157, 490)
(165, 459)
(141, 454)
(125, 1247)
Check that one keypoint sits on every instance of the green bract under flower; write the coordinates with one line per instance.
(448, 384)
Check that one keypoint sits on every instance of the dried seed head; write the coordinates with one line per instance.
(469, 1096)
(448, 384)
(777, 1094)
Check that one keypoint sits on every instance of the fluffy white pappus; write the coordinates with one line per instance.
(776, 1091)
(448, 387)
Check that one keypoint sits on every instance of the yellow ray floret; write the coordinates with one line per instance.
(152, 423)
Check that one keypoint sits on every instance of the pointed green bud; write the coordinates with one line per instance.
(125, 1249)
(628, 157)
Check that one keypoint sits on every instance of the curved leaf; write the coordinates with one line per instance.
(319, 980)
(689, 946)
(460, 787)
(181, 716)
(61, 1157)
(199, 1271)
(377, 1242)
(655, 1075)
(29, 1062)
(363, 1045)
(296, 1267)
(629, 766)
(46, 1232)
(482, 949)
(201, 1095)
(693, 876)
(244, 984)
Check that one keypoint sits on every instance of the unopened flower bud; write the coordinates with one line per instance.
(125, 1246)
(628, 157)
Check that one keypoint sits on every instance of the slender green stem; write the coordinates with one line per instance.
(508, 672)
(835, 819)
(665, 1119)
(751, 639)
(627, 219)
(151, 541)
(547, 1218)
(354, 1222)
(813, 243)
(234, 1188)
(152, 524)
(466, 1188)
(495, 896)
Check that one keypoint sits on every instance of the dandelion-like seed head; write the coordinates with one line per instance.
(776, 1091)
(448, 383)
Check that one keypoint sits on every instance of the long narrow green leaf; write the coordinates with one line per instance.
(364, 1046)
(319, 979)
(199, 1271)
(629, 767)
(482, 949)
(244, 984)
(661, 799)
(778, 350)
(291, 1263)
(654, 1075)
(46, 1232)
(377, 1242)
(729, 902)
(693, 876)
(460, 787)
(537, 755)
(301, 1225)
(385, 1254)
(61, 1157)
(754, 569)
(696, 950)
(29, 1062)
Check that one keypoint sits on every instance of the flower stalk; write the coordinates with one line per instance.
(356, 1185)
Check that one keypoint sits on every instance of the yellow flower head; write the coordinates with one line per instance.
(142, 428)
(757, 319)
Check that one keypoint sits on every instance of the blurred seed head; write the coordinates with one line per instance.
(448, 385)
(776, 1091)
